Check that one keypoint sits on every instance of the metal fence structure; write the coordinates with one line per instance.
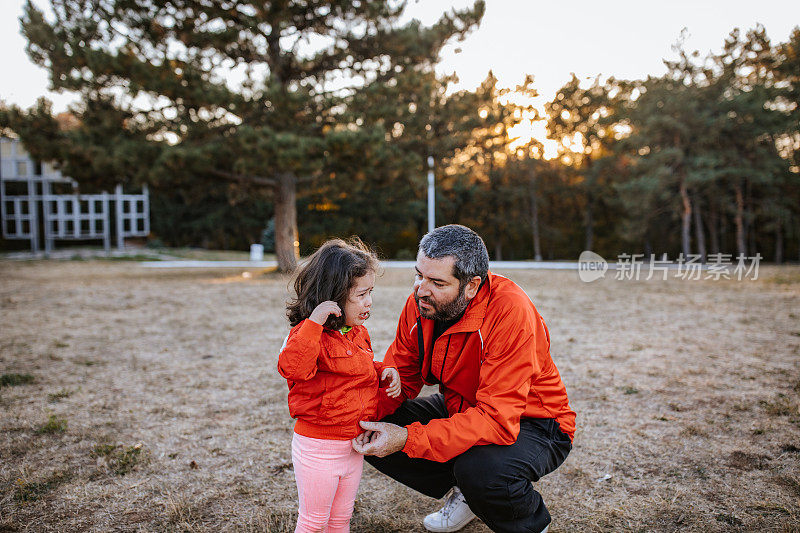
(62, 216)
(133, 214)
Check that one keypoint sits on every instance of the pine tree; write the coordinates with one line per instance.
(247, 92)
(485, 190)
(786, 70)
(581, 121)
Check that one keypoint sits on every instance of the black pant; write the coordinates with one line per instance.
(495, 479)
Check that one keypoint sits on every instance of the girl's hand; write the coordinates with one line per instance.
(393, 390)
(322, 311)
(363, 439)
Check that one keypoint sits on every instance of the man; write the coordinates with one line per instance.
(501, 418)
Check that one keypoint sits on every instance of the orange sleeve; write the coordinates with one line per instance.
(403, 355)
(504, 383)
(298, 358)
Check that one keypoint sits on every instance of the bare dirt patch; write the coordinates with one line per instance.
(153, 403)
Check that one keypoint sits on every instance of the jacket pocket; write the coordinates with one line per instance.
(342, 362)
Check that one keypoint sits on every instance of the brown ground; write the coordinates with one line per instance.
(155, 404)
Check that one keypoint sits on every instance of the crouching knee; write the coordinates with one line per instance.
(492, 490)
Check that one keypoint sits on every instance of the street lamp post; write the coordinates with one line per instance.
(431, 196)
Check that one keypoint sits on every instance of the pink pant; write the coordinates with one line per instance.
(327, 473)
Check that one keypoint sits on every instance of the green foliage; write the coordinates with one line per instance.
(268, 236)
(120, 459)
(704, 143)
(781, 405)
(216, 216)
(56, 397)
(477, 182)
(586, 124)
(334, 139)
(29, 491)
(54, 424)
(158, 105)
(13, 380)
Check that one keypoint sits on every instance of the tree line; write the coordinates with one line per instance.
(321, 116)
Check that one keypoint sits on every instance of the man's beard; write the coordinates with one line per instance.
(444, 312)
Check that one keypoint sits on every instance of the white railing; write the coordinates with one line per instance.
(63, 216)
(133, 214)
(76, 217)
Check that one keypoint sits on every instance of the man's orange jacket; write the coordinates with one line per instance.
(493, 367)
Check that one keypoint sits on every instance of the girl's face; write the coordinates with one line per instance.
(359, 300)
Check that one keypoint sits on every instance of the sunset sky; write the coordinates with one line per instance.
(547, 39)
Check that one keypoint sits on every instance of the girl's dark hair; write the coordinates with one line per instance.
(329, 274)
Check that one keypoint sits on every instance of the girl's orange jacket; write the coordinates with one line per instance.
(493, 367)
(333, 380)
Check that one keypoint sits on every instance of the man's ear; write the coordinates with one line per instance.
(471, 288)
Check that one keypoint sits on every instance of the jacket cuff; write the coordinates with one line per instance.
(413, 446)
(310, 330)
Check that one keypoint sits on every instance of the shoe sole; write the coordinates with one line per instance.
(448, 529)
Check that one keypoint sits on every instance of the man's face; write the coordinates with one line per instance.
(436, 289)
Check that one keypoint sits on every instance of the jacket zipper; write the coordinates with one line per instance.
(356, 348)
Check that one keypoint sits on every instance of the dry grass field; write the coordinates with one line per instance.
(148, 400)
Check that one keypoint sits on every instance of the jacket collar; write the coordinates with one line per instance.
(355, 330)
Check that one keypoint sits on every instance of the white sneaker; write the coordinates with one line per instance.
(453, 516)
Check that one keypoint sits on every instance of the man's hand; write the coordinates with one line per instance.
(322, 311)
(380, 438)
(390, 373)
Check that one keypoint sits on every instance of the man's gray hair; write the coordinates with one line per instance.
(461, 243)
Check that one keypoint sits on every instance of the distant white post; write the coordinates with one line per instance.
(146, 210)
(118, 202)
(106, 224)
(76, 216)
(33, 225)
(431, 197)
(46, 205)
